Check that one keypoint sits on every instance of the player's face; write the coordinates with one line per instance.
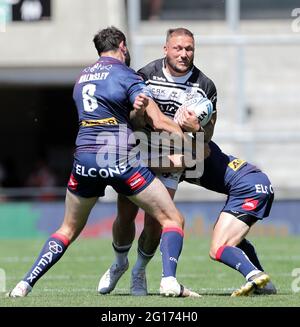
(126, 54)
(127, 58)
(179, 52)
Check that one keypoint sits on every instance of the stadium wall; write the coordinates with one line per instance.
(65, 39)
(38, 219)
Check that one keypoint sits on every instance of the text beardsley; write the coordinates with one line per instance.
(124, 317)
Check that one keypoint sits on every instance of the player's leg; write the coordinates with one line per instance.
(147, 245)
(123, 230)
(228, 232)
(250, 251)
(156, 201)
(77, 210)
(123, 236)
(124, 227)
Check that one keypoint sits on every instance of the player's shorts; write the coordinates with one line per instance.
(89, 180)
(251, 195)
(170, 180)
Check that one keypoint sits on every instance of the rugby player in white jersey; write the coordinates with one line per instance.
(173, 80)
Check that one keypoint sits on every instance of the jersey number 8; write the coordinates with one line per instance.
(90, 103)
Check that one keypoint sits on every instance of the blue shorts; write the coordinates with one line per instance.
(252, 194)
(89, 180)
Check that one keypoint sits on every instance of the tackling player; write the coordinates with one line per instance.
(105, 93)
(173, 80)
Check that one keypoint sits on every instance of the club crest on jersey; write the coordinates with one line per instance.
(174, 95)
(192, 95)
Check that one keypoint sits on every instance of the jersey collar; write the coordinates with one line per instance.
(175, 79)
(111, 59)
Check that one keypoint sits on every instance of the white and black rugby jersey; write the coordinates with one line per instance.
(171, 92)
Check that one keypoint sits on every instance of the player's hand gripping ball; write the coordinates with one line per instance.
(201, 106)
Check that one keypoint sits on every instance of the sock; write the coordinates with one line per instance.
(236, 259)
(249, 249)
(170, 248)
(121, 253)
(52, 251)
(142, 260)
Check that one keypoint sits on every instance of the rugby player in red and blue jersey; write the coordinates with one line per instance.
(106, 93)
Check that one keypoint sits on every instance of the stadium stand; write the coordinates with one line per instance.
(46, 56)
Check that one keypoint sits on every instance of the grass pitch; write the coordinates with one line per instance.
(73, 280)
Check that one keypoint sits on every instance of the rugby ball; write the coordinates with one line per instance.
(202, 107)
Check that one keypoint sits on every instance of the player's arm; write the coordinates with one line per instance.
(146, 107)
(209, 128)
(159, 121)
(152, 115)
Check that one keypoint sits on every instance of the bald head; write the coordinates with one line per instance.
(180, 31)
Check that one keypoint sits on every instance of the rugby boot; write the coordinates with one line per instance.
(138, 285)
(170, 287)
(268, 289)
(20, 290)
(111, 277)
(258, 281)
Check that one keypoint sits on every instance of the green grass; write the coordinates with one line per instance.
(73, 281)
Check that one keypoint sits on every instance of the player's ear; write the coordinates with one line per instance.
(123, 47)
(165, 49)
